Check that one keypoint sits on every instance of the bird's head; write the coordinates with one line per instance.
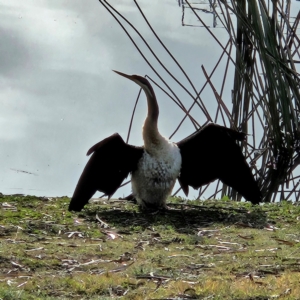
(141, 81)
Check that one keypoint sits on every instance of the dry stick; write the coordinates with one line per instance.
(265, 135)
(287, 23)
(241, 18)
(264, 142)
(241, 87)
(199, 193)
(287, 60)
(282, 191)
(233, 41)
(230, 26)
(202, 192)
(153, 53)
(183, 13)
(220, 101)
(132, 115)
(178, 190)
(223, 84)
(294, 178)
(224, 188)
(255, 110)
(259, 101)
(253, 161)
(290, 33)
(292, 69)
(287, 76)
(296, 162)
(203, 87)
(294, 189)
(213, 195)
(176, 62)
(286, 49)
(210, 207)
(280, 5)
(245, 23)
(294, 36)
(211, 33)
(141, 53)
(226, 20)
(253, 127)
(185, 111)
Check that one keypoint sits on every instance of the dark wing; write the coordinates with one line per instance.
(110, 164)
(212, 153)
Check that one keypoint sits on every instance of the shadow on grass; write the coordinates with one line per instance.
(183, 218)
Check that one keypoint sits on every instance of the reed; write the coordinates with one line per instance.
(263, 47)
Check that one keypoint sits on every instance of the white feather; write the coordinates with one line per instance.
(156, 174)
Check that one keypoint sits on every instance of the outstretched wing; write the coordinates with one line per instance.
(212, 153)
(110, 164)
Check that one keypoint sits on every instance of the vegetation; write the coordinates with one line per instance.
(195, 250)
(259, 62)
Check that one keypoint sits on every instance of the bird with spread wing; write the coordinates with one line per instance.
(210, 153)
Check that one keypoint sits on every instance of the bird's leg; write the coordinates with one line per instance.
(129, 198)
(153, 208)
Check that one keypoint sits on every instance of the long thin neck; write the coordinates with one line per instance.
(151, 135)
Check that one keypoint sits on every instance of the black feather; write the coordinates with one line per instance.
(111, 162)
(212, 153)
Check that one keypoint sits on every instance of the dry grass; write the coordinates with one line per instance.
(196, 250)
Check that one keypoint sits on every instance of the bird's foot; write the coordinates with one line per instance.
(129, 198)
(154, 209)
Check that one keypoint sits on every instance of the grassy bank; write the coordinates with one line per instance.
(196, 250)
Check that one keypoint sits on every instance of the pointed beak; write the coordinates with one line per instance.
(124, 75)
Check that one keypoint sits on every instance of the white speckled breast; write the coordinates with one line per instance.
(156, 175)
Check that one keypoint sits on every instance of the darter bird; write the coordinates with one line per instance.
(210, 153)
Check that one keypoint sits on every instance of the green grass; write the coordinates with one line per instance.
(196, 250)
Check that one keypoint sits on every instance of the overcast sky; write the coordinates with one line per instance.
(58, 95)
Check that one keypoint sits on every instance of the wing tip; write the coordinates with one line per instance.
(103, 142)
(75, 206)
(184, 187)
(256, 199)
